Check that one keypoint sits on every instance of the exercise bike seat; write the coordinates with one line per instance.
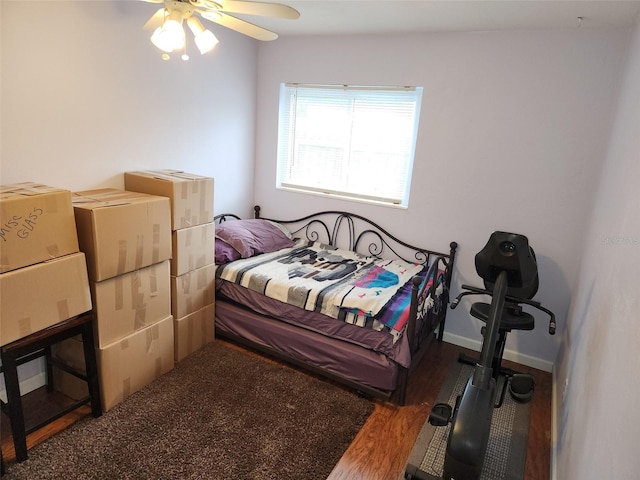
(512, 318)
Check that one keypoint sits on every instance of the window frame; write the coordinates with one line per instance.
(405, 105)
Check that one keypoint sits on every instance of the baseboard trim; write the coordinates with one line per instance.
(511, 355)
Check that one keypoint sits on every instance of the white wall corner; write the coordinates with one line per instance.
(553, 473)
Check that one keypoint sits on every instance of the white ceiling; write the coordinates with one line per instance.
(331, 17)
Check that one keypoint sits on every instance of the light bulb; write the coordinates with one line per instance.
(205, 39)
(175, 33)
(169, 37)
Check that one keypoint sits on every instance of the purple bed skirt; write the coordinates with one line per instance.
(339, 357)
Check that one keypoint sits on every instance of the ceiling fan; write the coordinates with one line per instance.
(169, 34)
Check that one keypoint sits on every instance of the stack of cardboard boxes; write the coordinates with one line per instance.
(193, 260)
(43, 275)
(126, 237)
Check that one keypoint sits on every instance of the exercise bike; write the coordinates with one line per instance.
(508, 267)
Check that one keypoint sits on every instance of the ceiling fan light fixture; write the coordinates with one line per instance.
(205, 39)
(169, 37)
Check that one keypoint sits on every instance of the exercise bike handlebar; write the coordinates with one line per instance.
(481, 291)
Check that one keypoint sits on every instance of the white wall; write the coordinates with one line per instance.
(513, 130)
(86, 97)
(598, 420)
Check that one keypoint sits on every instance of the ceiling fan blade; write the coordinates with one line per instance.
(155, 21)
(240, 26)
(263, 9)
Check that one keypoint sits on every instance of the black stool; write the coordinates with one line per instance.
(37, 345)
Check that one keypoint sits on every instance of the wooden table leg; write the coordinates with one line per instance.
(14, 406)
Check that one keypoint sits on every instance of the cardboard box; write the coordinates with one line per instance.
(122, 231)
(41, 295)
(36, 224)
(126, 366)
(192, 291)
(129, 302)
(193, 247)
(194, 331)
(191, 195)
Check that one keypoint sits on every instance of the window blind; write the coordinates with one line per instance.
(352, 141)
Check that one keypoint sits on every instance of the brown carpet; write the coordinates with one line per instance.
(220, 414)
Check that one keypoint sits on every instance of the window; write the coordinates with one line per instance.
(350, 141)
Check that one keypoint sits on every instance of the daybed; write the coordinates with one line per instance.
(369, 316)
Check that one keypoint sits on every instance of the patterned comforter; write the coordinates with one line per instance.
(362, 290)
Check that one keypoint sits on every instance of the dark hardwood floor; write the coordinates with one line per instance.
(368, 458)
(381, 448)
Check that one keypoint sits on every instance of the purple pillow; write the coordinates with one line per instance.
(253, 237)
(225, 253)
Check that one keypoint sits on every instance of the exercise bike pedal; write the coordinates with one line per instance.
(440, 414)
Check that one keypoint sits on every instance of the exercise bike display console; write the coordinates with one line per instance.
(507, 265)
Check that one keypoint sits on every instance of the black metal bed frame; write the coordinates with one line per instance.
(356, 233)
